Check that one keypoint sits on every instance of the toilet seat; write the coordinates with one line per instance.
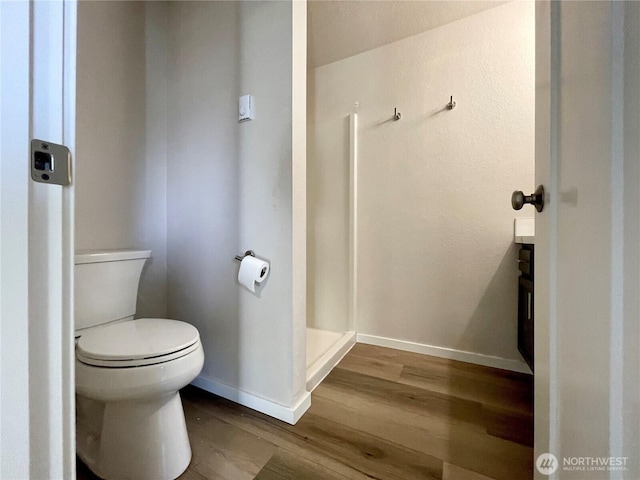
(136, 343)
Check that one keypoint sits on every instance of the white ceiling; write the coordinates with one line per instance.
(338, 29)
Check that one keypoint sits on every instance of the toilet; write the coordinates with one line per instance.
(129, 418)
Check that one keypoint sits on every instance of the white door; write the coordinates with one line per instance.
(37, 95)
(587, 263)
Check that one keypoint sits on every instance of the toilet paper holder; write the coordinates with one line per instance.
(246, 254)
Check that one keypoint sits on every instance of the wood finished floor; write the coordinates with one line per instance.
(380, 414)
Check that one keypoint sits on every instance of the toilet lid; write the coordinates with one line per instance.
(144, 338)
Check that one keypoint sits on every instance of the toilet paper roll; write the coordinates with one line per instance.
(252, 271)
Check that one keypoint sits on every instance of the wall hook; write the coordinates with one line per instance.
(396, 114)
(451, 105)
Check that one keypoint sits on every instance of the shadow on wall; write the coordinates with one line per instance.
(501, 290)
(152, 292)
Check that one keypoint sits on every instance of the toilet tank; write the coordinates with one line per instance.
(106, 285)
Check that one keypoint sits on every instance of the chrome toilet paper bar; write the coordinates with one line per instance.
(246, 254)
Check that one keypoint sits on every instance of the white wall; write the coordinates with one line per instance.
(120, 177)
(327, 217)
(202, 207)
(163, 164)
(299, 195)
(436, 254)
(229, 189)
(111, 122)
(152, 197)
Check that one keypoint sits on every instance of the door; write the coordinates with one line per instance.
(37, 92)
(587, 240)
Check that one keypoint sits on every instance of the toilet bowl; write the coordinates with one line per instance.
(129, 418)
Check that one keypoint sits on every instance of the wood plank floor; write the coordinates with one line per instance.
(381, 414)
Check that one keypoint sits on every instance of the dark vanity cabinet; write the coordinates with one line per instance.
(525, 303)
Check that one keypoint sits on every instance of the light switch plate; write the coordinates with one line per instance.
(246, 108)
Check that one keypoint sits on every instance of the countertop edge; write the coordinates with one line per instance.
(525, 239)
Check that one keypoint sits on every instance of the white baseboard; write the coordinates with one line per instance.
(286, 414)
(323, 366)
(450, 353)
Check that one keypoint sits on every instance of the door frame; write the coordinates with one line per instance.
(37, 351)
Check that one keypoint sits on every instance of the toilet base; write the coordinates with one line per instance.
(142, 439)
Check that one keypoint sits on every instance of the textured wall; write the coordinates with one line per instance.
(435, 245)
(338, 30)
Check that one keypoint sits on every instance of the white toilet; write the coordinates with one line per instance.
(129, 418)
